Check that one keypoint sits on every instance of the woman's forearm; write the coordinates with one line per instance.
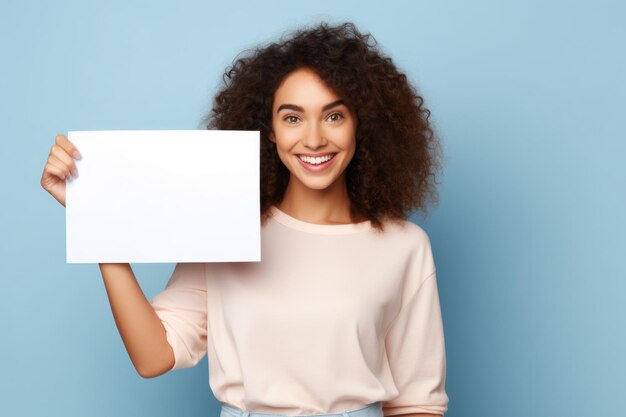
(139, 326)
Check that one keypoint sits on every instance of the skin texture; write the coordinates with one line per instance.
(315, 197)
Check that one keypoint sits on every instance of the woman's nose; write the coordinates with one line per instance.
(314, 137)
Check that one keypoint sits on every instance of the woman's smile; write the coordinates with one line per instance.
(316, 163)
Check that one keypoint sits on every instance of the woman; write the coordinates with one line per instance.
(342, 314)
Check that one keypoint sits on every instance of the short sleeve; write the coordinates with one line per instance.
(182, 308)
(416, 353)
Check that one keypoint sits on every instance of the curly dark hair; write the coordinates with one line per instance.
(397, 158)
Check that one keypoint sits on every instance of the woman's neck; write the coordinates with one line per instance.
(328, 206)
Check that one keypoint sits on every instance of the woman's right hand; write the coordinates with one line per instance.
(59, 167)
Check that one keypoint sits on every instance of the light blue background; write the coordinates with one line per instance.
(528, 236)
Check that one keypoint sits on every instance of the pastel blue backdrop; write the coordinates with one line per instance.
(528, 236)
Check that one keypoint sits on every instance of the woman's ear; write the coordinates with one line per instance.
(271, 137)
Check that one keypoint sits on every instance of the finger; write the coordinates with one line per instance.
(62, 167)
(64, 158)
(54, 170)
(67, 146)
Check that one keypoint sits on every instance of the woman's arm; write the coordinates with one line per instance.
(141, 329)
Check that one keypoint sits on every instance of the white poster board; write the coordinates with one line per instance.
(164, 196)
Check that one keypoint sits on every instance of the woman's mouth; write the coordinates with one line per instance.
(318, 163)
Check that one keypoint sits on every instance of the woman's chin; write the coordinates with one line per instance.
(317, 184)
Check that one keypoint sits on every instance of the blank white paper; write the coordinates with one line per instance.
(164, 196)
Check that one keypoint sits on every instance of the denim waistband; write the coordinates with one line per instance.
(371, 410)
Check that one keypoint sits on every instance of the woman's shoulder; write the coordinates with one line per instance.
(407, 228)
(405, 234)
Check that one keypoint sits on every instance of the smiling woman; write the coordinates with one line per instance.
(341, 318)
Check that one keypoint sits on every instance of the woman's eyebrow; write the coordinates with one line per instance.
(300, 109)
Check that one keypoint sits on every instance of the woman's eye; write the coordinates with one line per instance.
(291, 118)
(335, 117)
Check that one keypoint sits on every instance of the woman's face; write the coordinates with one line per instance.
(311, 124)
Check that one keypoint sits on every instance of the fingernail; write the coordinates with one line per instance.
(77, 155)
(75, 174)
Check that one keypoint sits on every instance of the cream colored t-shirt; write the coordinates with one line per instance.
(333, 318)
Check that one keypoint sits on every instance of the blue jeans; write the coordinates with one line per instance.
(371, 410)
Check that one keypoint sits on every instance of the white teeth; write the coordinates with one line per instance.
(317, 160)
